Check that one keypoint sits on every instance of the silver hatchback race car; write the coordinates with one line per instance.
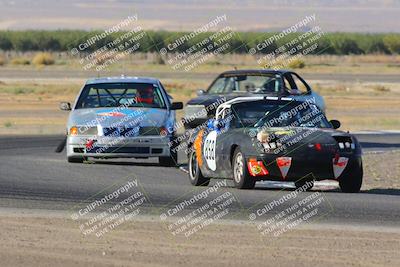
(122, 117)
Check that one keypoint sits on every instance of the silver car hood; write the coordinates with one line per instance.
(111, 117)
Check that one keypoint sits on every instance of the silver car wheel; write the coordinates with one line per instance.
(238, 168)
(193, 166)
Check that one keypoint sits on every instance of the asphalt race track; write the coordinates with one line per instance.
(33, 176)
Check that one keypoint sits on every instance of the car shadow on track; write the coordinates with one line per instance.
(375, 191)
(126, 163)
(383, 191)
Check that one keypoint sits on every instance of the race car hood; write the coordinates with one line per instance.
(107, 117)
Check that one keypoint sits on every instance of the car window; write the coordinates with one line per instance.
(219, 86)
(120, 94)
(293, 84)
(300, 85)
(265, 83)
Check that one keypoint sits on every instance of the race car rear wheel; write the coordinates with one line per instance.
(241, 176)
(195, 176)
(76, 159)
(351, 181)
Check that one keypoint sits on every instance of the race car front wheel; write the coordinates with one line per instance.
(241, 176)
(351, 181)
(195, 175)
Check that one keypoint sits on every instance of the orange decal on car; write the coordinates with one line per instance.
(198, 142)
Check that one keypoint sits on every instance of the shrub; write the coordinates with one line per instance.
(296, 64)
(380, 88)
(20, 61)
(2, 60)
(5, 43)
(159, 60)
(43, 59)
(392, 42)
(7, 124)
(22, 91)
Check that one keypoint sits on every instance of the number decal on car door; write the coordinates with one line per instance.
(209, 150)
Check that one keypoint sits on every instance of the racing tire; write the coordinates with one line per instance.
(195, 176)
(241, 176)
(351, 181)
(304, 184)
(76, 159)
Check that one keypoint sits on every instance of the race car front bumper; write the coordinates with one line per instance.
(117, 147)
(292, 168)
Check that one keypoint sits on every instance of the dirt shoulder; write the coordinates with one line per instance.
(43, 240)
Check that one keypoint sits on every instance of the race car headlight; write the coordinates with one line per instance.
(82, 130)
(264, 139)
(195, 112)
(73, 130)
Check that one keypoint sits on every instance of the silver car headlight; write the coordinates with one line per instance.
(83, 130)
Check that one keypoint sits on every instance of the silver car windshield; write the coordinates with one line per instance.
(121, 94)
(265, 83)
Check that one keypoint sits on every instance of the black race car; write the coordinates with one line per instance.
(236, 83)
(271, 138)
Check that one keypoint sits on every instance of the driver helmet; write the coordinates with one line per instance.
(145, 95)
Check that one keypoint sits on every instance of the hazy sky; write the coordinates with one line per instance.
(255, 15)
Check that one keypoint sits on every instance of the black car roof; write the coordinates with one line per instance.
(252, 71)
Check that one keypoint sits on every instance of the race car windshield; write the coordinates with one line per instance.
(254, 83)
(278, 115)
(120, 94)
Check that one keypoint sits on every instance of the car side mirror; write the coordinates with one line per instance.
(176, 105)
(65, 106)
(335, 124)
(200, 92)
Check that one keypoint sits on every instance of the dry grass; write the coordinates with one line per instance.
(2, 60)
(33, 106)
(358, 105)
(43, 59)
(20, 61)
(140, 62)
(296, 64)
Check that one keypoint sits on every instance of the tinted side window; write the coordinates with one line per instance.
(294, 84)
(300, 85)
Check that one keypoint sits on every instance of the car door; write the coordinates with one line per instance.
(216, 149)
